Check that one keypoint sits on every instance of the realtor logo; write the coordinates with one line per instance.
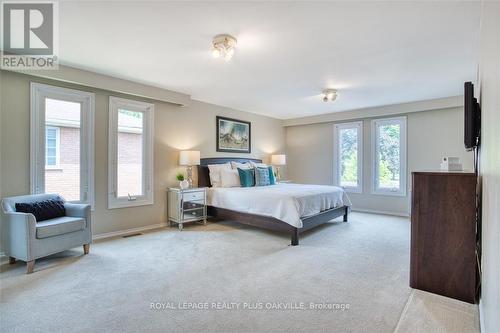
(29, 35)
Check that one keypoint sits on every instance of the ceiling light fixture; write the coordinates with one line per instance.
(329, 95)
(223, 46)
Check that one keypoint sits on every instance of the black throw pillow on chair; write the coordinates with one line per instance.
(43, 210)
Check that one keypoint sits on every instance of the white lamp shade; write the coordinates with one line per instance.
(189, 157)
(278, 159)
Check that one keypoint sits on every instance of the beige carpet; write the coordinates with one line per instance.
(426, 312)
(362, 265)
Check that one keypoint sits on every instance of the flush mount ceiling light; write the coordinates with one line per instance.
(223, 46)
(329, 95)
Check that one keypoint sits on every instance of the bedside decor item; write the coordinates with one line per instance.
(277, 161)
(183, 183)
(186, 206)
(189, 158)
(233, 136)
(451, 164)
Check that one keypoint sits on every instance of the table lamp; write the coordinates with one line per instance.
(189, 158)
(278, 160)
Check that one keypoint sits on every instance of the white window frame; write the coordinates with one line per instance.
(358, 125)
(39, 92)
(58, 148)
(147, 109)
(402, 158)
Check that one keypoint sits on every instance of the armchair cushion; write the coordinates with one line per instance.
(59, 226)
(43, 210)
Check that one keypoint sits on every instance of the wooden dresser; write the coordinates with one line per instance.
(443, 234)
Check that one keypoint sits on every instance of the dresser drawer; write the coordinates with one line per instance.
(193, 204)
(194, 214)
(191, 196)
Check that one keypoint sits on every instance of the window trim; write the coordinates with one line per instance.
(336, 155)
(403, 172)
(38, 93)
(58, 148)
(116, 103)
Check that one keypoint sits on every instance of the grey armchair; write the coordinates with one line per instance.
(26, 239)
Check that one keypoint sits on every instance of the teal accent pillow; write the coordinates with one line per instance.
(272, 179)
(247, 177)
(262, 177)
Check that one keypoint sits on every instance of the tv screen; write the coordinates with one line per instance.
(472, 118)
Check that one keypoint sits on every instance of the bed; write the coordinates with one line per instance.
(289, 208)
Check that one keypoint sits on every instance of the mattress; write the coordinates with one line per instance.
(289, 203)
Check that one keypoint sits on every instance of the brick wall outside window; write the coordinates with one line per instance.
(64, 179)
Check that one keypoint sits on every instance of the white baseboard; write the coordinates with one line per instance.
(481, 317)
(128, 231)
(118, 233)
(362, 210)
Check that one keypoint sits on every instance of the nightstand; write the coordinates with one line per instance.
(189, 205)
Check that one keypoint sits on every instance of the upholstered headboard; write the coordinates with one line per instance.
(203, 173)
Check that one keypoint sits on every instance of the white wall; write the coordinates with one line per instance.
(489, 67)
(431, 135)
(176, 128)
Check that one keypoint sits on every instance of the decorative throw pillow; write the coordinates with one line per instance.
(247, 177)
(236, 165)
(262, 177)
(43, 210)
(214, 172)
(272, 179)
(230, 178)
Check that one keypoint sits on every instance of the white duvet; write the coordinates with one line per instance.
(286, 202)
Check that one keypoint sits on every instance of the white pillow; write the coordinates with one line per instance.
(258, 165)
(230, 178)
(214, 172)
(236, 165)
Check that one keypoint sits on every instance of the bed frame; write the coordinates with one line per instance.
(261, 221)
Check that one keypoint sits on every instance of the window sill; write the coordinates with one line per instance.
(53, 168)
(389, 193)
(118, 203)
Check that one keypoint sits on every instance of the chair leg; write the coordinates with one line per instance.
(12, 260)
(30, 265)
(86, 248)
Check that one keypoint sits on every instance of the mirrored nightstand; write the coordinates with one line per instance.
(185, 206)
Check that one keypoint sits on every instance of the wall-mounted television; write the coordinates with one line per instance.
(472, 117)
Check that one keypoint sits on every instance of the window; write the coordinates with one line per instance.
(348, 155)
(62, 146)
(389, 156)
(130, 169)
(52, 147)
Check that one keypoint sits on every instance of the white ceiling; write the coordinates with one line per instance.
(374, 53)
